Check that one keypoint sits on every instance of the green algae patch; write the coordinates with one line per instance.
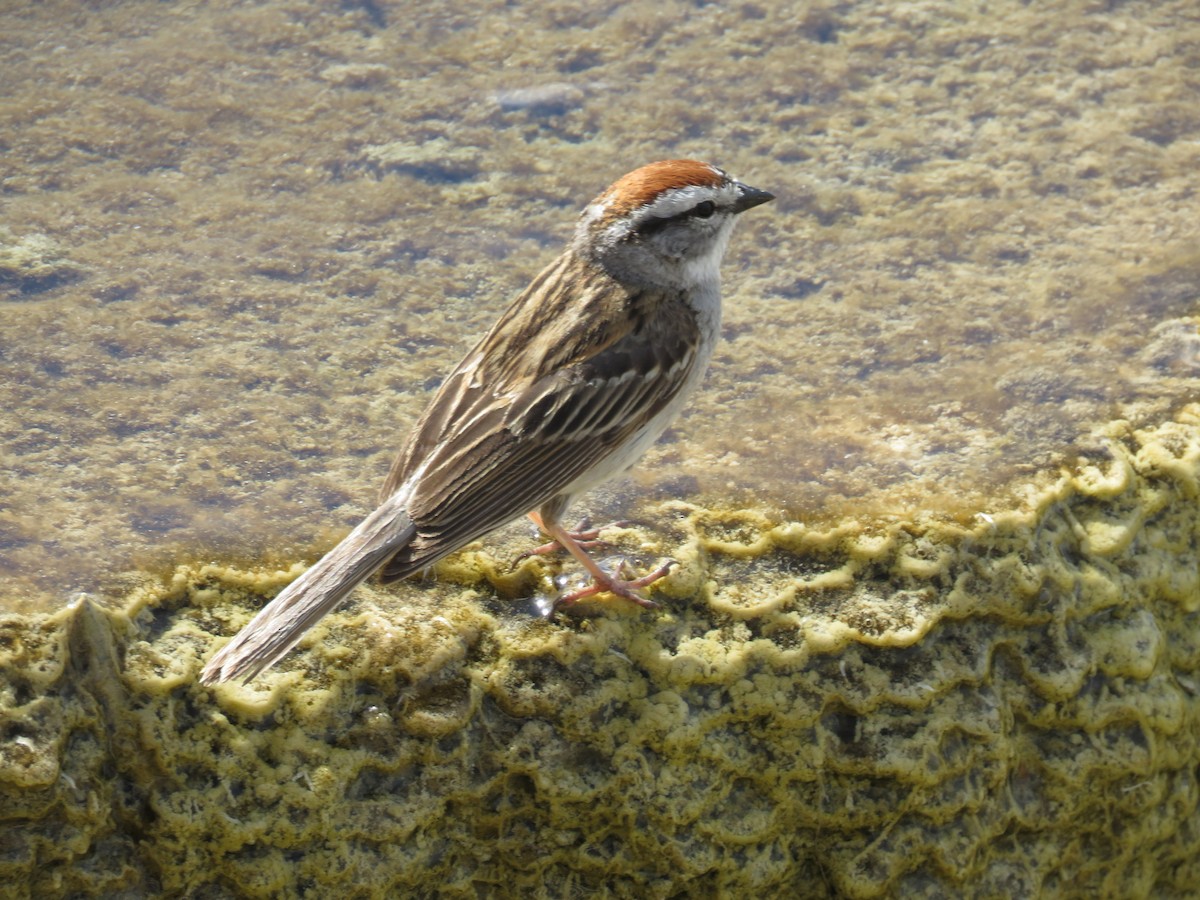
(1006, 708)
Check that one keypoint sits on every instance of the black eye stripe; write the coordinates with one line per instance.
(702, 210)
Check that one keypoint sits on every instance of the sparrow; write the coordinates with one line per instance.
(582, 373)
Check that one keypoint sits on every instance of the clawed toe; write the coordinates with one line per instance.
(577, 542)
(582, 540)
(613, 584)
(584, 536)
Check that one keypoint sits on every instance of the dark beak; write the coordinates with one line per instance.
(749, 197)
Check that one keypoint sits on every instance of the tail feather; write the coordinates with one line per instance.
(281, 623)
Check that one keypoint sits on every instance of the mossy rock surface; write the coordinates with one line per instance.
(1008, 710)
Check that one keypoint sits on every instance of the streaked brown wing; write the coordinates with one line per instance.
(510, 449)
(569, 313)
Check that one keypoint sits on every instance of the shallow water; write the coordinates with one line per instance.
(239, 246)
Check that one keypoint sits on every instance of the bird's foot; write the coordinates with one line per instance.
(604, 583)
(584, 536)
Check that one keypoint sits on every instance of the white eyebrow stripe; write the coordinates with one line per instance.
(681, 199)
(678, 200)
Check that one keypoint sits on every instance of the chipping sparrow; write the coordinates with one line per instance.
(582, 373)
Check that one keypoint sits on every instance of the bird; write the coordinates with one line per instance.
(576, 379)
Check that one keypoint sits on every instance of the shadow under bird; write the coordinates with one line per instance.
(580, 375)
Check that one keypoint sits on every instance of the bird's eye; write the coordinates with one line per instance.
(654, 224)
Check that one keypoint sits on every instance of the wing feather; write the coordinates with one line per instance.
(493, 445)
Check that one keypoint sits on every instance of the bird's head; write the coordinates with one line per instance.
(666, 223)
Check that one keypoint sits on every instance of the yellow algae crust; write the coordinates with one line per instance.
(1003, 710)
(234, 267)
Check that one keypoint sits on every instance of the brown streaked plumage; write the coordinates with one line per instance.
(577, 378)
(494, 432)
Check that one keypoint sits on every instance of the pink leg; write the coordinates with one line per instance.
(585, 537)
(601, 581)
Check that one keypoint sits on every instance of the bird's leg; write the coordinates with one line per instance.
(602, 582)
(586, 537)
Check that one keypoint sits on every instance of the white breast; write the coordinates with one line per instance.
(707, 303)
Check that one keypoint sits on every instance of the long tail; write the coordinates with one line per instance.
(282, 622)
